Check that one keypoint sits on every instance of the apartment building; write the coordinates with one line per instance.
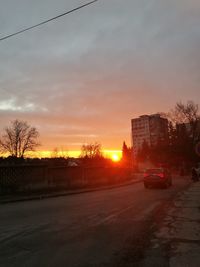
(150, 129)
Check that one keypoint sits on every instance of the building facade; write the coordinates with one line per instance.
(150, 129)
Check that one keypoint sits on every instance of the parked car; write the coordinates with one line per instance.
(157, 177)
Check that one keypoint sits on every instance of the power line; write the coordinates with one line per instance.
(46, 21)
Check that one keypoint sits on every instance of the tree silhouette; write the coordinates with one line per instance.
(91, 151)
(187, 115)
(126, 155)
(18, 139)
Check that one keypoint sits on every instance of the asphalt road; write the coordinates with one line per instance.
(102, 228)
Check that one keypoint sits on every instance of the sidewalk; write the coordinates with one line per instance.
(177, 240)
(19, 198)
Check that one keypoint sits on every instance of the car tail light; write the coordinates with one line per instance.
(161, 175)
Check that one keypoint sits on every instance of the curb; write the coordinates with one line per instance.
(40, 197)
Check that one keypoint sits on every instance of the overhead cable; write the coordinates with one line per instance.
(46, 21)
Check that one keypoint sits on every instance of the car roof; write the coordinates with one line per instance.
(154, 169)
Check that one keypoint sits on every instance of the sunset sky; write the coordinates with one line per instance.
(83, 77)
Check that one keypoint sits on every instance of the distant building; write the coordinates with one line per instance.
(181, 127)
(150, 129)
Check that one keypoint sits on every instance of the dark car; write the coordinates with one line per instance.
(157, 177)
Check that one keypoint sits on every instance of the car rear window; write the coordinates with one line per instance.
(154, 171)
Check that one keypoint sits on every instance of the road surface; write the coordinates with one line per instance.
(102, 228)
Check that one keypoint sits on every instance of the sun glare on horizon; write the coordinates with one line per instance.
(115, 157)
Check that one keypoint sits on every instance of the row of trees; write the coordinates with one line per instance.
(20, 138)
(184, 136)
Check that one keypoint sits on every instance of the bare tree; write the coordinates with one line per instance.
(55, 153)
(187, 114)
(59, 153)
(19, 138)
(92, 150)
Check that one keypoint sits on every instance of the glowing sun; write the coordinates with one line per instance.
(115, 157)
